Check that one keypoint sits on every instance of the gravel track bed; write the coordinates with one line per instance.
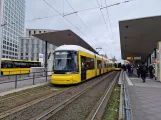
(80, 108)
(22, 99)
(36, 109)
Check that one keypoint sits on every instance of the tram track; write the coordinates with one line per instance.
(99, 109)
(36, 107)
(62, 108)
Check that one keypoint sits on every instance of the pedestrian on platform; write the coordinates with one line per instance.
(129, 70)
(143, 72)
(151, 71)
(138, 71)
(124, 67)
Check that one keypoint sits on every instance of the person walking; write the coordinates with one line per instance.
(151, 71)
(138, 70)
(143, 72)
(129, 70)
(124, 67)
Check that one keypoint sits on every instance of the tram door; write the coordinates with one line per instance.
(83, 68)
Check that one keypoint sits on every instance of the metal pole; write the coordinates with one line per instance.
(16, 82)
(46, 75)
(155, 53)
(1, 37)
(33, 78)
(150, 58)
(46, 52)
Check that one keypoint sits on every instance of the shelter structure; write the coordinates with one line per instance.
(62, 37)
(139, 37)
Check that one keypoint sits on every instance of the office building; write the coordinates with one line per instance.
(30, 47)
(12, 20)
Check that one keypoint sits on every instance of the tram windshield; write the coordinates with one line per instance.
(66, 61)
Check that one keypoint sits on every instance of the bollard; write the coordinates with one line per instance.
(16, 81)
(33, 78)
(46, 76)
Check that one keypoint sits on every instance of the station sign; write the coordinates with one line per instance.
(129, 58)
(137, 58)
(133, 58)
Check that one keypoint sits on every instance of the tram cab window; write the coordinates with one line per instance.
(66, 61)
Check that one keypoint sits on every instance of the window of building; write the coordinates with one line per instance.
(27, 41)
(4, 42)
(38, 42)
(39, 31)
(32, 41)
(10, 44)
(21, 54)
(3, 56)
(26, 53)
(21, 58)
(7, 43)
(34, 32)
(4, 51)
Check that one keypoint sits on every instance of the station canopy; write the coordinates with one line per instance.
(139, 37)
(64, 37)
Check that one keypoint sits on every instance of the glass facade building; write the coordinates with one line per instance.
(12, 22)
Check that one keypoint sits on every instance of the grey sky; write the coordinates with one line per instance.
(92, 18)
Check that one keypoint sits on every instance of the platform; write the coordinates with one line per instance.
(145, 98)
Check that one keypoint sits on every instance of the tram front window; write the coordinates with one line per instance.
(66, 61)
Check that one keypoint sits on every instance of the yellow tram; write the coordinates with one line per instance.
(10, 66)
(74, 64)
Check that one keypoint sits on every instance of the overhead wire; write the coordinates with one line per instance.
(104, 19)
(82, 21)
(109, 21)
(83, 10)
(63, 16)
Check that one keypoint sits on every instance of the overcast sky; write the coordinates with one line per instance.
(107, 37)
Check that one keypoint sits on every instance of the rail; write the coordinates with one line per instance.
(15, 78)
(127, 106)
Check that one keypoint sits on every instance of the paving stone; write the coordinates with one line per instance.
(145, 99)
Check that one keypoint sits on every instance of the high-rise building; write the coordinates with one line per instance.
(30, 47)
(12, 20)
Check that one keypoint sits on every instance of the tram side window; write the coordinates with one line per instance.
(7, 64)
(4, 64)
(87, 63)
(16, 64)
(99, 64)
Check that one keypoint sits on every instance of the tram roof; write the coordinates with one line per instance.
(64, 37)
(139, 37)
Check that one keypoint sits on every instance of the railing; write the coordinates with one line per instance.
(15, 78)
(127, 106)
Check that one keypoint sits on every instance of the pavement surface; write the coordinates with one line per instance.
(145, 98)
(22, 82)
